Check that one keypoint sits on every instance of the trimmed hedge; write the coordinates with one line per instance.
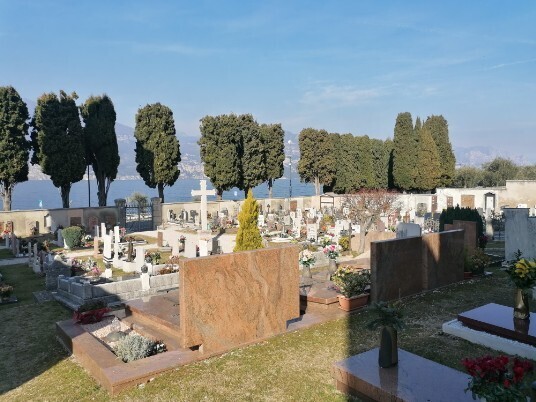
(461, 214)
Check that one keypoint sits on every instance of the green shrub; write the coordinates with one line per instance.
(135, 347)
(73, 236)
(344, 242)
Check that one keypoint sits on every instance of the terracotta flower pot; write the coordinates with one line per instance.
(467, 275)
(354, 302)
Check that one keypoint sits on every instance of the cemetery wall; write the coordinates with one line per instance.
(520, 233)
(232, 299)
(404, 267)
(47, 220)
(519, 192)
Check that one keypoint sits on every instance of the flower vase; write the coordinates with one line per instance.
(521, 304)
(307, 271)
(332, 267)
(388, 355)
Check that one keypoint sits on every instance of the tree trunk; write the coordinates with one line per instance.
(219, 194)
(270, 186)
(65, 191)
(246, 191)
(361, 248)
(102, 193)
(317, 185)
(7, 190)
(161, 191)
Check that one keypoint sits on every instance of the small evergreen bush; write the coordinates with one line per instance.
(73, 236)
(248, 236)
(135, 347)
(344, 242)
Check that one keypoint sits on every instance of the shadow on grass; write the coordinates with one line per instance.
(27, 330)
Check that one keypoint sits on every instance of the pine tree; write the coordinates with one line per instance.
(157, 147)
(102, 152)
(429, 171)
(438, 127)
(405, 149)
(14, 147)
(248, 236)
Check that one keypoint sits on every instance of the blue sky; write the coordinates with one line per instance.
(344, 66)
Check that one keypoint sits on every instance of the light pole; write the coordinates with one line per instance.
(290, 170)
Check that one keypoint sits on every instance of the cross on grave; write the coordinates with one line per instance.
(203, 193)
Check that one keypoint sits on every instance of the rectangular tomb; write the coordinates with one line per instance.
(414, 378)
(499, 320)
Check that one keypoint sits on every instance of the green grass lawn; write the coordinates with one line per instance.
(5, 254)
(294, 366)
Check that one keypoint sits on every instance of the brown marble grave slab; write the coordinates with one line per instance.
(442, 258)
(499, 320)
(231, 299)
(396, 268)
(414, 378)
(470, 235)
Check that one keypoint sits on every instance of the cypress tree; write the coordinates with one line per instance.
(317, 157)
(380, 163)
(429, 172)
(346, 172)
(438, 127)
(57, 141)
(14, 147)
(251, 154)
(273, 137)
(405, 147)
(100, 140)
(157, 147)
(248, 236)
(219, 148)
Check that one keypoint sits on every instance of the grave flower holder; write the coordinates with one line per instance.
(353, 303)
(521, 304)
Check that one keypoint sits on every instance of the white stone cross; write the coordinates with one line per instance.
(203, 193)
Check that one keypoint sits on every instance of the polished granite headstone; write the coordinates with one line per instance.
(499, 320)
(414, 378)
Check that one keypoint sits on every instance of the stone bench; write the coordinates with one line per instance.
(414, 378)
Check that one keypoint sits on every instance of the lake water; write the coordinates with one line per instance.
(35, 194)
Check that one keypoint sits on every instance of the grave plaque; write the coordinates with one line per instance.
(468, 201)
(434, 203)
(92, 221)
(293, 205)
(312, 232)
(450, 202)
(75, 221)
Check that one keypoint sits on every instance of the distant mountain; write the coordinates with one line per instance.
(476, 156)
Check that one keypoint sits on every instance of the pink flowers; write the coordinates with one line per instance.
(332, 251)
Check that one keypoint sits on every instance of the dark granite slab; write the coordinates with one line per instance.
(414, 379)
(499, 320)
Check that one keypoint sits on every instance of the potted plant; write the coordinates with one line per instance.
(480, 261)
(389, 319)
(497, 378)
(352, 285)
(90, 312)
(5, 291)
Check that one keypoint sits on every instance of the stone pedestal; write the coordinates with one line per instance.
(107, 273)
(204, 237)
(145, 284)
